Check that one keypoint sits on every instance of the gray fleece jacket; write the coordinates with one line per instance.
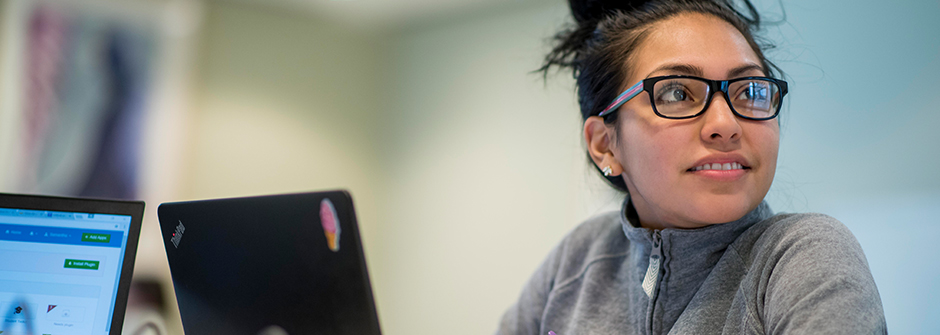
(761, 274)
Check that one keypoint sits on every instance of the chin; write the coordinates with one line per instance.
(720, 209)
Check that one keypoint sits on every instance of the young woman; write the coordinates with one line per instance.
(680, 112)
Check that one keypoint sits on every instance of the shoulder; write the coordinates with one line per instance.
(597, 239)
(798, 235)
(596, 233)
(808, 235)
(806, 225)
(804, 245)
(812, 271)
(594, 240)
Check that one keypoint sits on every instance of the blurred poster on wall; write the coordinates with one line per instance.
(85, 83)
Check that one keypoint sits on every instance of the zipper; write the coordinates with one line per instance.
(652, 272)
(651, 280)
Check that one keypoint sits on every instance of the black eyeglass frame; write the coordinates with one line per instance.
(713, 87)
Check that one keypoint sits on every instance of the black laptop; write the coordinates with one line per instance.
(66, 263)
(274, 265)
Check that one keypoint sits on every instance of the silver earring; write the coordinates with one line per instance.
(607, 171)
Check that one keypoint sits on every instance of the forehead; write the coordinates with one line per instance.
(698, 40)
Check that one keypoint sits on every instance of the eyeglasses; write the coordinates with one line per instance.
(683, 97)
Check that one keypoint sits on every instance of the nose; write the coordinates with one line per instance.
(721, 127)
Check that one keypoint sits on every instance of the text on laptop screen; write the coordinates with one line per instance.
(59, 271)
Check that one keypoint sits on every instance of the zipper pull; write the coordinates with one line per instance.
(652, 272)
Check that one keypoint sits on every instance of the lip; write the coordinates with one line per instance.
(721, 175)
(721, 159)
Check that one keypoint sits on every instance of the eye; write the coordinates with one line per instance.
(673, 93)
(756, 92)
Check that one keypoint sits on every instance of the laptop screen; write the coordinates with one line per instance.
(59, 271)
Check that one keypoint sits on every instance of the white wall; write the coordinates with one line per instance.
(462, 163)
(485, 169)
(285, 102)
(8, 90)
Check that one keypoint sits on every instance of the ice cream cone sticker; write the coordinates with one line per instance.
(330, 222)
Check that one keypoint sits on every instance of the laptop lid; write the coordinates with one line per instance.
(66, 263)
(280, 264)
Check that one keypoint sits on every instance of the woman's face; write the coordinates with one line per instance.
(659, 155)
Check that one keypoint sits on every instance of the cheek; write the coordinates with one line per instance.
(767, 143)
(771, 149)
(650, 158)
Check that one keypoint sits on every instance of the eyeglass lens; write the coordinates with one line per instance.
(683, 97)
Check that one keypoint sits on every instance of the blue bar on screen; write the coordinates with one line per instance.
(56, 235)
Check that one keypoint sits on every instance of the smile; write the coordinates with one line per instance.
(719, 166)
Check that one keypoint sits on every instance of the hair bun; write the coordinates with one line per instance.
(585, 11)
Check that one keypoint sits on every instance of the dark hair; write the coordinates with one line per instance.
(606, 34)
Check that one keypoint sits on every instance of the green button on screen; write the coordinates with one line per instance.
(100, 238)
(81, 264)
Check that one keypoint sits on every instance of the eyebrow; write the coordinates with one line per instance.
(692, 70)
(685, 69)
(740, 70)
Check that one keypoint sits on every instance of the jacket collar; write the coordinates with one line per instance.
(705, 240)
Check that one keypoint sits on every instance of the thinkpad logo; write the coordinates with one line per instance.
(178, 235)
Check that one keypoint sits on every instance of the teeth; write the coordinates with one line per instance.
(717, 166)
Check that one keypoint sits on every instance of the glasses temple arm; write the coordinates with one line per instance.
(623, 98)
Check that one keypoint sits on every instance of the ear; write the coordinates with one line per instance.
(600, 144)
